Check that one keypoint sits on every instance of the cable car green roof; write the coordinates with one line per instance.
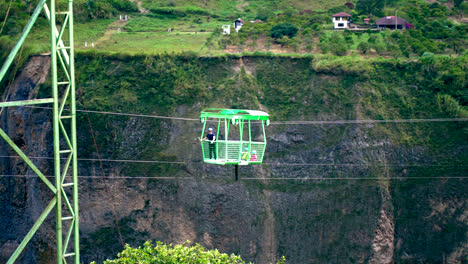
(237, 114)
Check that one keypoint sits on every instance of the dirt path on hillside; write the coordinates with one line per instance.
(111, 30)
(140, 7)
(240, 6)
(116, 26)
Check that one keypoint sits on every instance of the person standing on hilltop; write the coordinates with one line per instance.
(211, 136)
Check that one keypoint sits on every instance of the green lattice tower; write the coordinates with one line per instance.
(64, 130)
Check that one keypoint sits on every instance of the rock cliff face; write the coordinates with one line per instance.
(345, 209)
(23, 199)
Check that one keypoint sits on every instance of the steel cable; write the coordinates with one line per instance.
(249, 178)
(298, 122)
(264, 163)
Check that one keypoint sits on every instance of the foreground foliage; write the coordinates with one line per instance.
(178, 254)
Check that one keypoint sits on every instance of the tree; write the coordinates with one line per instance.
(363, 47)
(178, 254)
(349, 5)
(264, 13)
(458, 3)
(337, 44)
(290, 12)
(379, 47)
(284, 29)
(370, 7)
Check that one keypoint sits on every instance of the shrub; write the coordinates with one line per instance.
(464, 7)
(451, 106)
(124, 5)
(94, 9)
(284, 29)
(337, 44)
(285, 41)
(178, 254)
(363, 47)
(306, 31)
(380, 47)
(372, 39)
(290, 12)
(316, 26)
(368, 7)
(264, 13)
(349, 5)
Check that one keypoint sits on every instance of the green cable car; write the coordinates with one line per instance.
(234, 148)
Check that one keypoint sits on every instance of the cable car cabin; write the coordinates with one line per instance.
(237, 136)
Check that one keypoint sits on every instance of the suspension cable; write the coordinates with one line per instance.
(368, 121)
(249, 178)
(105, 160)
(264, 163)
(299, 122)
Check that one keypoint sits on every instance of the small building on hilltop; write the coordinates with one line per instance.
(341, 20)
(391, 22)
(238, 24)
(226, 29)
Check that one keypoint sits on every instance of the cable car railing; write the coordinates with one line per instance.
(228, 152)
(241, 151)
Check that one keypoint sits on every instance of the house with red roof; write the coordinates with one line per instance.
(391, 22)
(341, 20)
(238, 24)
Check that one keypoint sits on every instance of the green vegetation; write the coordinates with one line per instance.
(378, 88)
(94, 9)
(178, 254)
(154, 42)
(432, 30)
(284, 29)
(435, 27)
(370, 7)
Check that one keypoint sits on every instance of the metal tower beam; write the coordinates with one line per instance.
(65, 186)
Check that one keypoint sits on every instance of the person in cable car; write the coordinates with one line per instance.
(253, 157)
(245, 154)
(211, 136)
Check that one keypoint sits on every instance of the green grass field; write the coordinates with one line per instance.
(156, 23)
(39, 37)
(153, 42)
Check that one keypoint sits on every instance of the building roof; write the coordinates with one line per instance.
(240, 20)
(234, 114)
(341, 14)
(390, 20)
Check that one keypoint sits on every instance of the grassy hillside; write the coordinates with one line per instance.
(196, 27)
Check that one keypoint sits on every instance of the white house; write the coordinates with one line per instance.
(341, 20)
(226, 29)
(238, 24)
